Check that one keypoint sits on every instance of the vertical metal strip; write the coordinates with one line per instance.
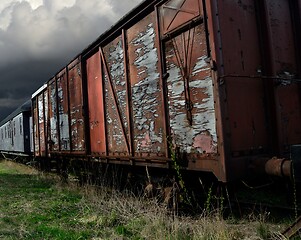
(80, 75)
(191, 50)
(48, 122)
(38, 125)
(44, 118)
(86, 107)
(184, 48)
(33, 130)
(216, 53)
(161, 68)
(206, 27)
(268, 70)
(128, 91)
(82, 100)
(295, 18)
(294, 6)
(57, 114)
(23, 126)
(68, 105)
(184, 72)
(115, 99)
(104, 103)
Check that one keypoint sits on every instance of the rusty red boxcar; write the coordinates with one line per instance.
(213, 82)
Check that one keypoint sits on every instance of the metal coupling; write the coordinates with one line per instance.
(279, 167)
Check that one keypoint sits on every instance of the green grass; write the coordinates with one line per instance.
(38, 206)
(33, 207)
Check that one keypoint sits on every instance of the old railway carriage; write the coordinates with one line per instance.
(214, 82)
(15, 131)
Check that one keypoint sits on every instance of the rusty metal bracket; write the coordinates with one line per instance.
(185, 67)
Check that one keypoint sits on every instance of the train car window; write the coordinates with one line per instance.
(14, 130)
(5, 133)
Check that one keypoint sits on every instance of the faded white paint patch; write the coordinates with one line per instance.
(46, 108)
(201, 65)
(116, 139)
(117, 63)
(64, 132)
(53, 131)
(201, 136)
(53, 119)
(145, 93)
(41, 109)
(63, 117)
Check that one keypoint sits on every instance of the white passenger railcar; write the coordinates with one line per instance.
(15, 131)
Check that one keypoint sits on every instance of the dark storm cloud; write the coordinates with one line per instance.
(21, 79)
(36, 43)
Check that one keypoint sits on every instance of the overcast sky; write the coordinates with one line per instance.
(39, 37)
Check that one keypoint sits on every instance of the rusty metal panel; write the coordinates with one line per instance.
(282, 36)
(190, 93)
(53, 117)
(35, 128)
(96, 105)
(239, 32)
(46, 120)
(115, 97)
(290, 116)
(260, 74)
(285, 69)
(148, 121)
(62, 97)
(242, 63)
(41, 124)
(76, 106)
(213, 33)
(254, 48)
(175, 13)
(247, 119)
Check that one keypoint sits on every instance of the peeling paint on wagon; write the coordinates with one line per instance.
(200, 136)
(116, 97)
(201, 65)
(54, 142)
(41, 109)
(41, 128)
(62, 93)
(235, 40)
(35, 127)
(46, 114)
(146, 89)
(64, 132)
(117, 63)
(76, 107)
